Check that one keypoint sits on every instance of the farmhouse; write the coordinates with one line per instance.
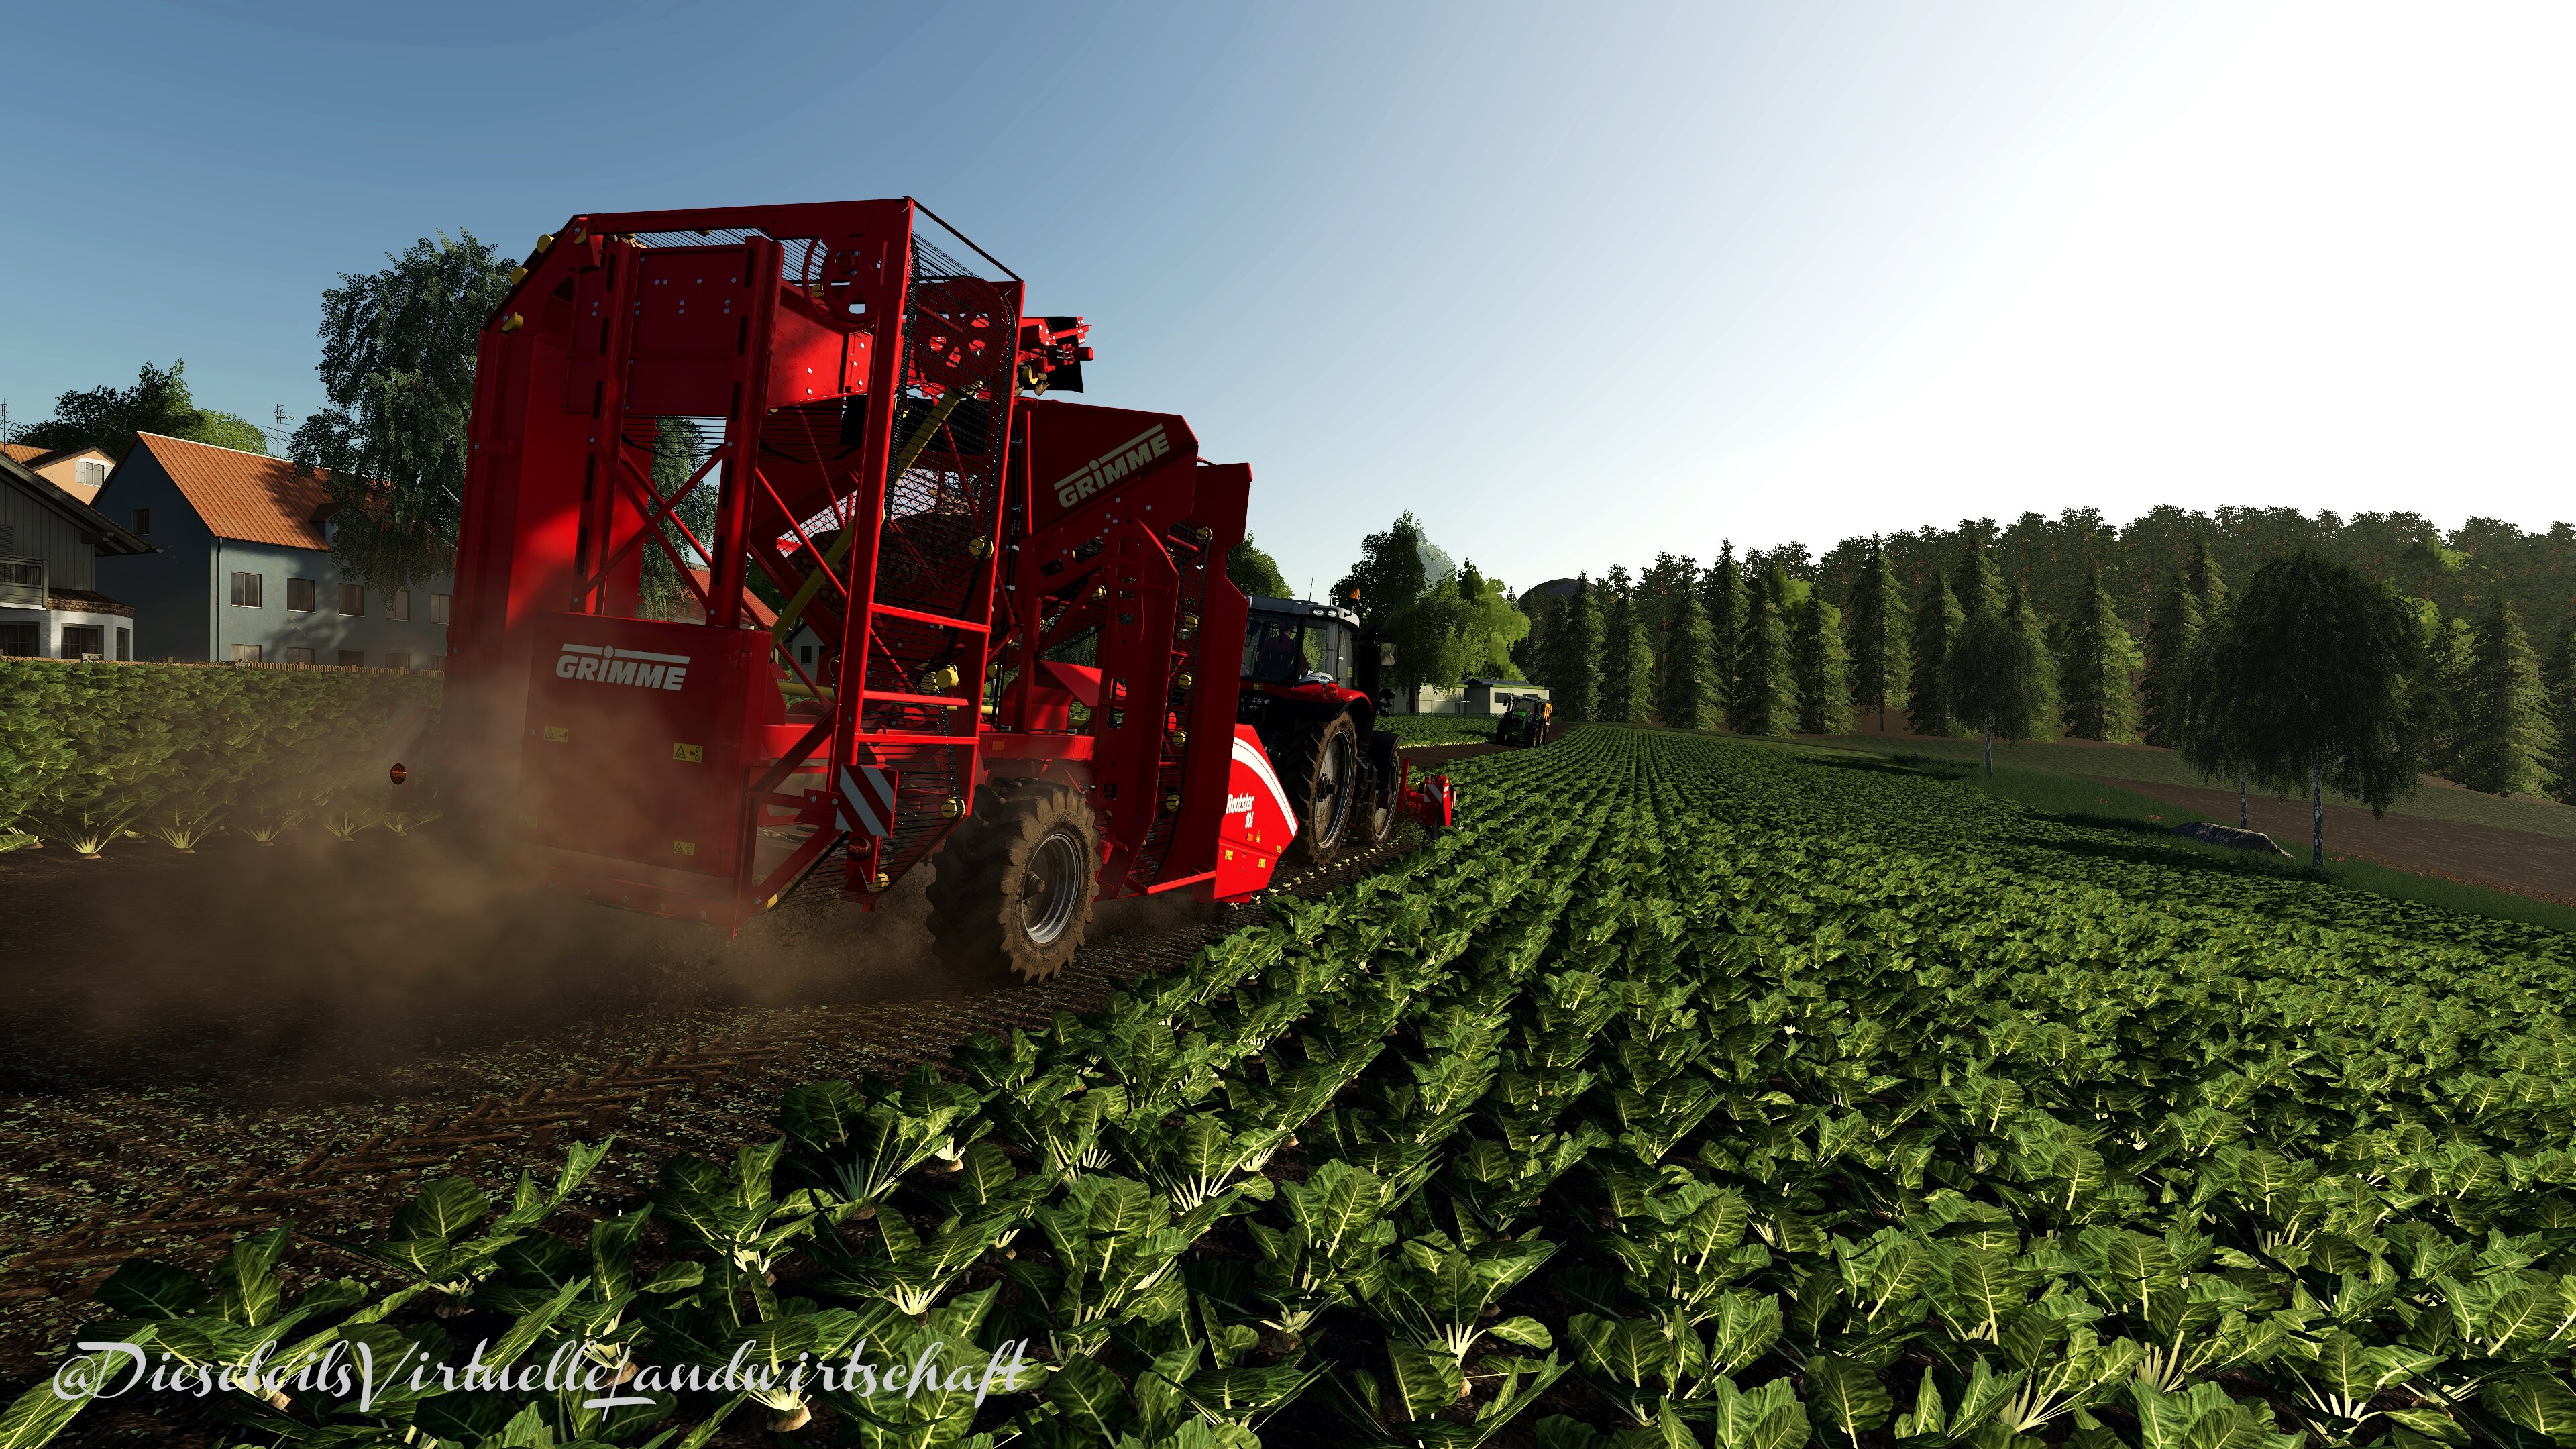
(1498, 696)
(243, 571)
(1470, 697)
(80, 472)
(50, 606)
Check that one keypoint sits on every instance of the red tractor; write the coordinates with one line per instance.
(1343, 775)
(1016, 624)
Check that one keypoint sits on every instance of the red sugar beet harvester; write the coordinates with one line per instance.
(934, 611)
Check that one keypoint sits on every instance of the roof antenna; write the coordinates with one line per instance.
(5, 434)
(277, 434)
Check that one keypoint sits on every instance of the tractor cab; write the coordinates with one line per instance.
(1290, 642)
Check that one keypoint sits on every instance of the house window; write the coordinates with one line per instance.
(80, 641)
(438, 608)
(90, 473)
(299, 656)
(352, 659)
(143, 520)
(22, 584)
(20, 641)
(245, 654)
(438, 663)
(804, 653)
(246, 590)
(397, 660)
(124, 644)
(299, 596)
(353, 599)
(398, 604)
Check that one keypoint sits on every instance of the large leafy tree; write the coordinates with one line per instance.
(1929, 709)
(1485, 624)
(2099, 660)
(1464, 624)
(2506, 738)
(1997, 674)
(107, 418)
(1722, 599)
(1766, 692)
(2558, 689)
(678, 449)
(1690, 699)
(1823, 667)
(1396, 567)
(2304, 684)
(1573, 653)
(398, 365)
(1255, 572)
(1446, 622)
(1875, 624)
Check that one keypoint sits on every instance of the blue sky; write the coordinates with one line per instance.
(1575, 284)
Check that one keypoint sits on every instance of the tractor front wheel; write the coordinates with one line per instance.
(1373, 814)
(1015, 883)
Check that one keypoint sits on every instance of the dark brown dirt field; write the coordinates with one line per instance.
(2513, 860)
(195, 1046)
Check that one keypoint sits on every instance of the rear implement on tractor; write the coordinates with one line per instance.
(937, 611)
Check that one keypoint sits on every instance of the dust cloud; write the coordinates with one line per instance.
(315, 959)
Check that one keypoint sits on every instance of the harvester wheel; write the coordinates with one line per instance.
(1014, 885)
(1322, 772)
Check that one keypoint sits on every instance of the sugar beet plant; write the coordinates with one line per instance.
(89, 752)
(1625, 1115)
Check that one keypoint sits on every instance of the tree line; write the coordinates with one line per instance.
(2366, 685)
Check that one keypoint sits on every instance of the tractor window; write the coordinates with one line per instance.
(1335, 639)
(1280, 650)
(1274, 650)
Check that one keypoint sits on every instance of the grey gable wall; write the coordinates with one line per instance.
(37, 530)
(182, 596)
(168, 590)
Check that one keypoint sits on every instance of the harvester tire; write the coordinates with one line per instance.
(1322, 773)
(1014, 885)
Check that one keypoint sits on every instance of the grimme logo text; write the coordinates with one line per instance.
(608, 664)
(1132, 456)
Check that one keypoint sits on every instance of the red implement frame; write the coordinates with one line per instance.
(961, 569)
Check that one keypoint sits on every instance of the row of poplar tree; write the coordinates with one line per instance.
(1746, 646)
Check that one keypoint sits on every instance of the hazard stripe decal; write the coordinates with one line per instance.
(866, 801)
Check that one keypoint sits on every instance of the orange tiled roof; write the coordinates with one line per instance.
(21, 452)
(245, 496)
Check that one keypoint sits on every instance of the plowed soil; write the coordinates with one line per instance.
(2512, 860)
(198, 1045)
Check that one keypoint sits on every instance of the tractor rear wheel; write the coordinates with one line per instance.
(1322, 773)
(1015, 883)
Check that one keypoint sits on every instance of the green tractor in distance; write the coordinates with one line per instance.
(1526, 723)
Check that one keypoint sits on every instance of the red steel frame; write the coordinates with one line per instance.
(864, 373)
